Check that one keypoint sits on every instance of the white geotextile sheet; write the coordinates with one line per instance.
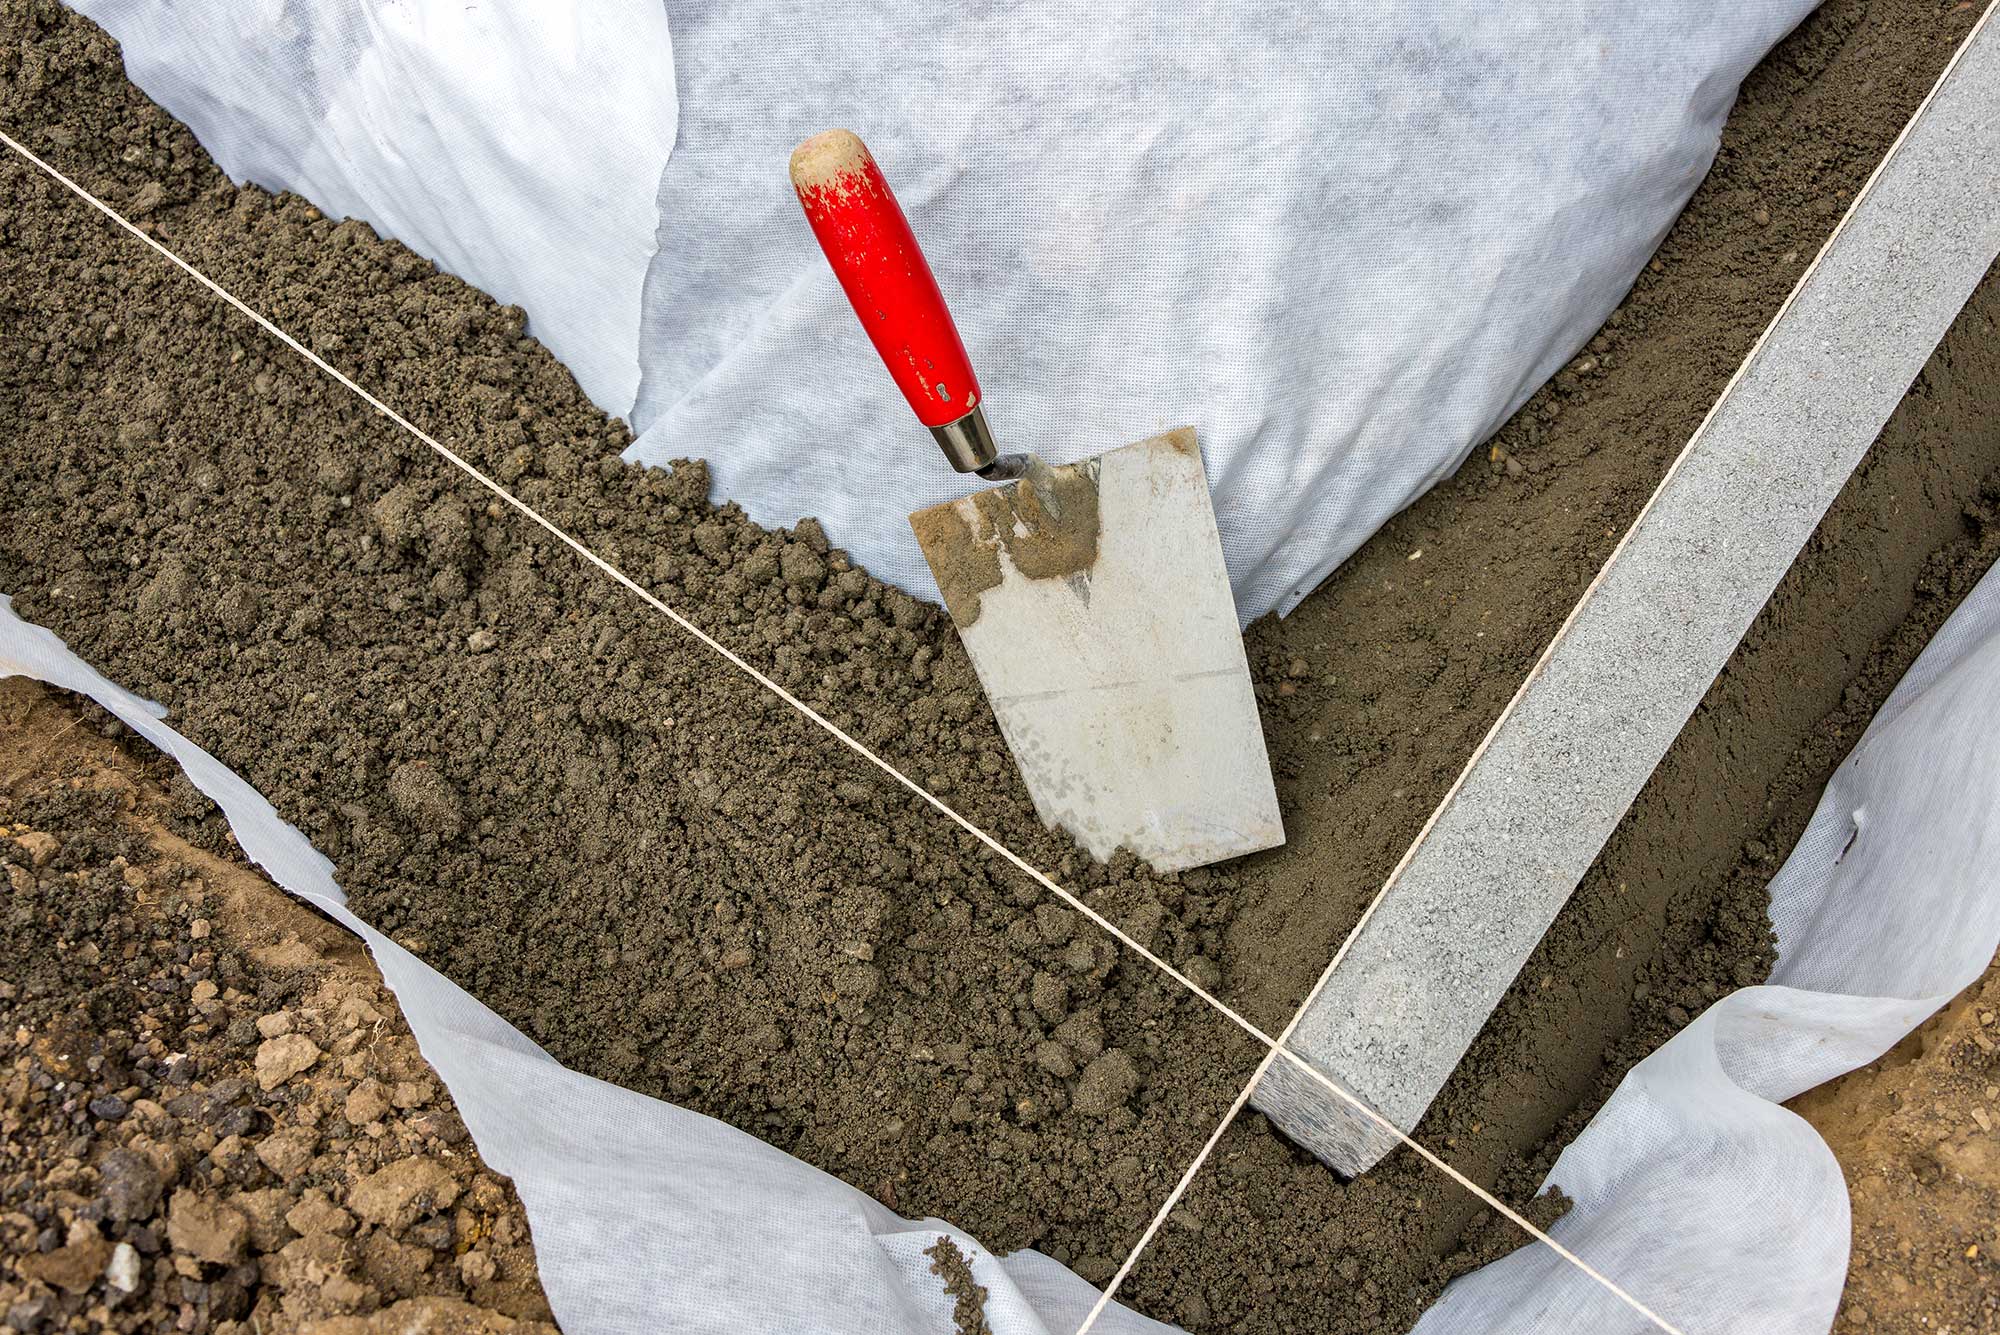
(648, 1217)
(1344, 242)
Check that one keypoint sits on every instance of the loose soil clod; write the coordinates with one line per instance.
(1916, 1135)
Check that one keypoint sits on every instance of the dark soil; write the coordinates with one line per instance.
(968, 1294)
(1404, 664)
(671, 881)
(212, 1116)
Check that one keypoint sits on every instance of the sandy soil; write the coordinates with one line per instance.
(1918, 1135)
(1914, 1132)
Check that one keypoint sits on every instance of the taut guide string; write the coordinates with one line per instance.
(1273, 1046)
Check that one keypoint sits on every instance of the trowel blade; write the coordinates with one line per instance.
(1094, 604)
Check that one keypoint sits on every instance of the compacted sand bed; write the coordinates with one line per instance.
(669, 880)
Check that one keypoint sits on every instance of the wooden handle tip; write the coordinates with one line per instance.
(826, 157)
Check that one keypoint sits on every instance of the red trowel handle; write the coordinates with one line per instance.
(887, 280)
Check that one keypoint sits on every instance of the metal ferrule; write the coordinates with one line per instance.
(968, 442)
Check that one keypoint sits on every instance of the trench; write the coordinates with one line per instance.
(669, 880)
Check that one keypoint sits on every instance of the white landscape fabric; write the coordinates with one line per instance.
(516, 144)
(1342, 241)
(649, 1217)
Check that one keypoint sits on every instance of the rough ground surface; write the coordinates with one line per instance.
(574, 812)
(1918, 1134)
(211, 1114)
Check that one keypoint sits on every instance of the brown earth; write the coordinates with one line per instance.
(212, 1116)
(511, 760)
(657, 870)
(1918, 1135)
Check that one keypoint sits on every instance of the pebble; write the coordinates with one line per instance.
(481, 641)
(281, 1058)
(121, 1272)
(129, 1185)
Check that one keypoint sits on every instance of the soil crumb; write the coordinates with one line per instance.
(969, 1306)
(214, 1116)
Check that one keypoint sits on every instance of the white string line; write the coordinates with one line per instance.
(1273, 1046)
(1250, 1088)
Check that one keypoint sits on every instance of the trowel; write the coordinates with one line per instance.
(1091, 596)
